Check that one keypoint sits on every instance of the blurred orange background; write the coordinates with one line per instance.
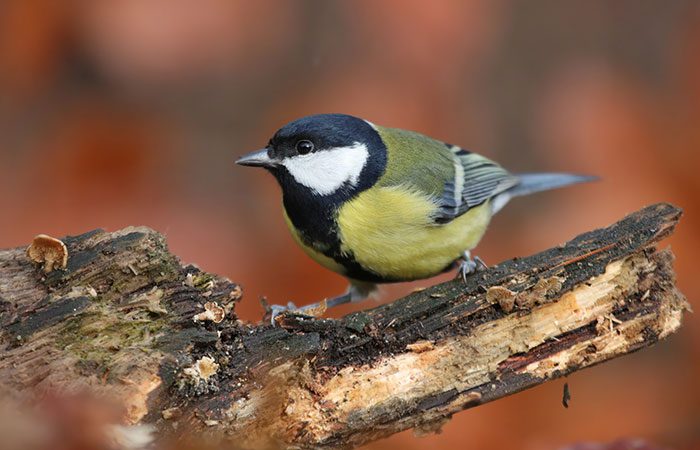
(131, 112)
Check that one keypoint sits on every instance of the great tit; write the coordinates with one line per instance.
(381, 205)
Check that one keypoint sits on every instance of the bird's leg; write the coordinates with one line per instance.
(312, 309)
(356, 292)
(327, 303)
(470, 265)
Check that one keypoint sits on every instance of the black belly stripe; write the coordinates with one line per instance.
(329, 245)
(315, 219)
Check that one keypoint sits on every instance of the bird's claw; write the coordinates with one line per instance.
(470, 265)
(277, 310)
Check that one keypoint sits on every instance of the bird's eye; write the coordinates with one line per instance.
(304, 147)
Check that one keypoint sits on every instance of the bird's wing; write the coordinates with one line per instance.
(476, 180)
(416, 162)
(456, 178)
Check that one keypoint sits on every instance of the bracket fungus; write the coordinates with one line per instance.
(49, 251)
(212, 311)
(202, 369)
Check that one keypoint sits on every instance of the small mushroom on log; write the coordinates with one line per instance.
(49, 251)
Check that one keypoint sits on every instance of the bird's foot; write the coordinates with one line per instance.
(276, 310)
(470, 265)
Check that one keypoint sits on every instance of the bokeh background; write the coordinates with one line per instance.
(131, 112)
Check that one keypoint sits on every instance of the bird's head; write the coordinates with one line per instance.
(324, 155)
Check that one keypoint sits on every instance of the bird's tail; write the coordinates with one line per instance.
(529, 183)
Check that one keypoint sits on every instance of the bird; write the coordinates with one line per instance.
(384, 205)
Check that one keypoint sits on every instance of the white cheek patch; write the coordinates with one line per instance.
(327, 170)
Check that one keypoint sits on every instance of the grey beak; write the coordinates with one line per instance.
(258, 158)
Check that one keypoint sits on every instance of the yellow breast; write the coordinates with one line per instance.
(389, 231)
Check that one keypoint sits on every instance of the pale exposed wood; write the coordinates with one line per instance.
(126, 320)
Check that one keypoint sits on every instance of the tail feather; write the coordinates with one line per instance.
(529, 183)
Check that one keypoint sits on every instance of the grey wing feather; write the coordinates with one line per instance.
(477, 179)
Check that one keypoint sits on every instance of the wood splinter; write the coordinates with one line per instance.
(119, 322)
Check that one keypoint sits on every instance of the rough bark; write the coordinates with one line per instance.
(120, 321)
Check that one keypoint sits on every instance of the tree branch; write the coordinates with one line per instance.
(125, 319)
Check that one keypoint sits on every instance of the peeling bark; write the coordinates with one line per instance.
(125, 319)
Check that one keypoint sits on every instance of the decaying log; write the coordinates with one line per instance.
(125, 319)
